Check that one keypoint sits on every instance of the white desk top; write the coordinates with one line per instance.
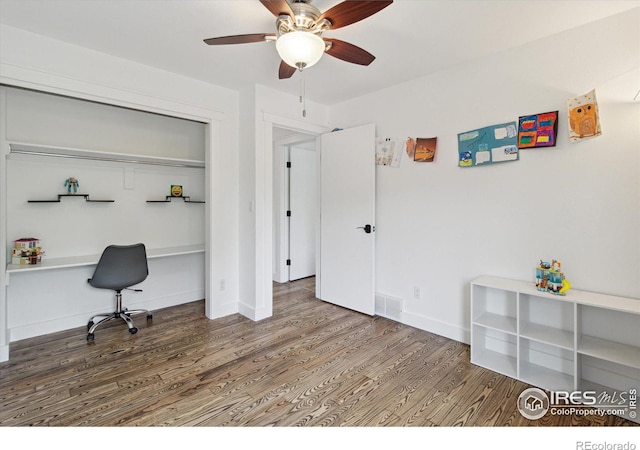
(88, 260)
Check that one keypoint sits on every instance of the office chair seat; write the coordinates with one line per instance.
(119, 268)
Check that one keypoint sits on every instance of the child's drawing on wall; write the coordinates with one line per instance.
(583, 117)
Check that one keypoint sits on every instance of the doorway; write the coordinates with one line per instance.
(295, 205)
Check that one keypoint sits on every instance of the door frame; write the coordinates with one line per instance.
(264, 203)
(280, 183)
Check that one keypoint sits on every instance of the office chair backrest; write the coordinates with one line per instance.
(120, 266)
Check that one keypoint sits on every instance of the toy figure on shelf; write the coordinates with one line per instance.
(71, 183)
(550, 278)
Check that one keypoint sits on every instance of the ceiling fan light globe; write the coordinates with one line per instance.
(300, 49)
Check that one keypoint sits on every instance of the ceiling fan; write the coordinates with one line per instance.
(300, 25)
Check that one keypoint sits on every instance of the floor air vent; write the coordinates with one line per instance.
(389, 307)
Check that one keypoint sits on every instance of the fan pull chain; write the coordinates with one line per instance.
(303, 99)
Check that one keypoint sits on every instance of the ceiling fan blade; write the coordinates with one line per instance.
(239, 39)
(349, 52)
(352, 11)
(285, 71)
(278, 7)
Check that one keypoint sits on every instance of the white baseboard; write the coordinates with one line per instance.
(4, 353)
(73, 321)
(255, 314)
(224, 310)
(436, 326)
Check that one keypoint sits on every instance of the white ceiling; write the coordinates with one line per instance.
(410, 38)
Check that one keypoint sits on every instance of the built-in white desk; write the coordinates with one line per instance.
(53, 295)
(88, 260)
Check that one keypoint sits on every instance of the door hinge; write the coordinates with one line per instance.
(288, 262)
(288, 213)
(288, 164)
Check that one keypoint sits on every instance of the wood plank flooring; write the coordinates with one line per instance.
(311, 364)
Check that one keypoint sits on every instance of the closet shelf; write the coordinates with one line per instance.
(85, 196)
(99, 155)
(168, 198)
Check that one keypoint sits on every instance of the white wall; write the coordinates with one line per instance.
(440, 226)
(262, 109)
(32, 61)
(45, 119)
(73, 228)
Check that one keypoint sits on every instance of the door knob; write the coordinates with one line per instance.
(367, 228)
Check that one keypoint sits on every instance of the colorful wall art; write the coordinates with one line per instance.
(493, 144)
(538, 130)
(583, 117)
(425, 149)
(389, 151)
(410, 147)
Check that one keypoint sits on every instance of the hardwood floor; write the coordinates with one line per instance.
(311, 364)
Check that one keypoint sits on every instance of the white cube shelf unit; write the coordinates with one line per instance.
(576, 342)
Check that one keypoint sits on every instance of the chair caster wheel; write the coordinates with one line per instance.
(149, 316)
(90, 337)
(89, 325)
(133, 330)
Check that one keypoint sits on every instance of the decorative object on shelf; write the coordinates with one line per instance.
(538, 130)
(550, 278)
(26, 251)
(583, 117)
(176, 190)
(71, 184)
(85, 196)
(493, 144)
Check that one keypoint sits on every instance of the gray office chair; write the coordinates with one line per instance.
(120, 267)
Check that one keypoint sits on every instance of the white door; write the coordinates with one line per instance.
(347, 219)
(303, 207)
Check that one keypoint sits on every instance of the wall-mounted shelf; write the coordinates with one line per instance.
(168, 198)
(85, 196)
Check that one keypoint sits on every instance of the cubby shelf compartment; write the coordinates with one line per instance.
(85, 196)
(497, 351)
(497, 322)
(545, 378)
(545, 365)
(624, 354)
(168, 198)
(549, 335)
(565, 343)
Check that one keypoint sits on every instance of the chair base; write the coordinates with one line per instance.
(120, 313)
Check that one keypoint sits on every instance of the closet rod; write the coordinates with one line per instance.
(97, 158)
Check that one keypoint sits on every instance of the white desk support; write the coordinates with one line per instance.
(581, 341)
